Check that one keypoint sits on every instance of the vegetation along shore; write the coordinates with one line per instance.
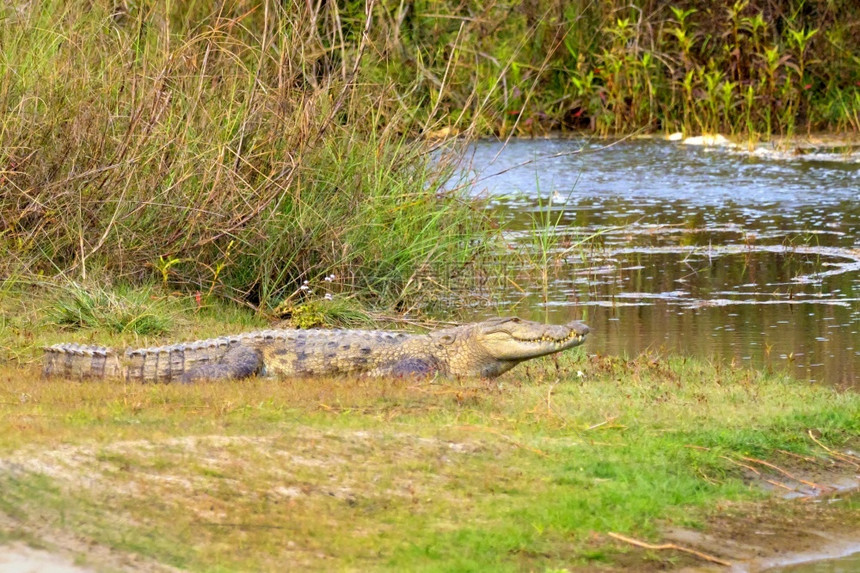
(173, 171)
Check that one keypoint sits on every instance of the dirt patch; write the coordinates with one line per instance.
(757, 538)
(20, 558)
(208, 476)
(812, 515)
(48, 549)
(749, 538)
(321, 463)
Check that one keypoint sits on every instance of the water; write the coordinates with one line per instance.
(847, 564)
(702, 251)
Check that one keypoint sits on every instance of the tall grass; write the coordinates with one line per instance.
(742, 67)
(138, 311)
(240, 151)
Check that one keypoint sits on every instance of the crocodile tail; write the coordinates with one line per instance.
(154, 364)
(81, 361)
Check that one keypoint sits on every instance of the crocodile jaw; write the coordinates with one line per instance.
(517, 340)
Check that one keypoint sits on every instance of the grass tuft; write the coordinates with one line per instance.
(121, 310)
(328, 313)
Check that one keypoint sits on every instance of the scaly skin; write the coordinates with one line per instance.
(482, 349)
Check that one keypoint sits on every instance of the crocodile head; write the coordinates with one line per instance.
(517, 339)
(494, 346)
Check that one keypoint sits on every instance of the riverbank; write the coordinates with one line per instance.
(534, 470)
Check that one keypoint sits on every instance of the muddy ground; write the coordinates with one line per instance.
(811, 517)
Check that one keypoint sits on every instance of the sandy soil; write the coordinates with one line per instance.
(19, 558)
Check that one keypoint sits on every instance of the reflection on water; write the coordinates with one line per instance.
(691, 250)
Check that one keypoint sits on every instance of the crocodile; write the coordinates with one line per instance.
(482, 349)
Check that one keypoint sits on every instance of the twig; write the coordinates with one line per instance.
(444, 391)
(785, 473)
(708, 479)
(792, 454)
(737, 463)
(240, 525)
(644, 545)
(779, 484)
(604, 422)
(549, 398)
(506, 438)
(770, 481)
(849, 459)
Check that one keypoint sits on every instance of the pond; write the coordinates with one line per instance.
(748, 258)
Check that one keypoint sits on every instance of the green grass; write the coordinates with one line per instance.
(140, 310)
(528, 472)
(33, 315)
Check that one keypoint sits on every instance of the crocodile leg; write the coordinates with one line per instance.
(239, 362)
(423, 367)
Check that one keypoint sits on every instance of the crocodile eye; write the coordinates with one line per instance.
(514, 320)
